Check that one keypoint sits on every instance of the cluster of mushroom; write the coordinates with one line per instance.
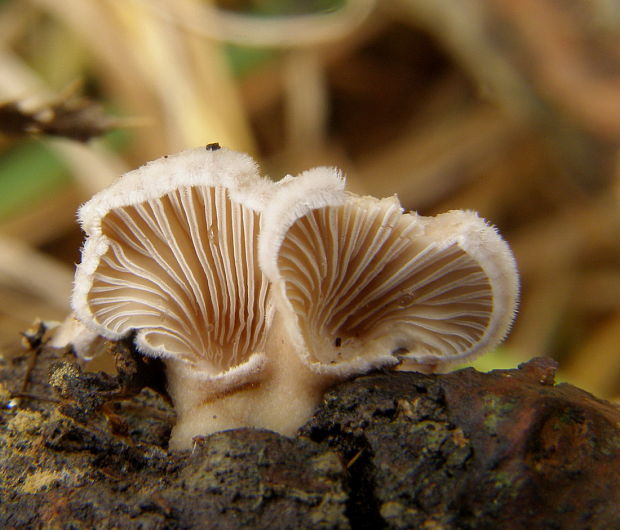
(259, 295)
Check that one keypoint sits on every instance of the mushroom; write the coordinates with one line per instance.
(363, 285)
(259, 296)
(170, 253)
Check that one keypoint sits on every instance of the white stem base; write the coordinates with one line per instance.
(281, 398)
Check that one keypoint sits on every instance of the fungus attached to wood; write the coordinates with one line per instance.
(261, 295)
(171, 253)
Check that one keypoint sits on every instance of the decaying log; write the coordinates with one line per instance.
(388, 450)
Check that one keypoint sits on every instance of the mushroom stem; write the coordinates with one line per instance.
(284, 398)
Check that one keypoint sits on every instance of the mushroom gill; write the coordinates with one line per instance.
(171, 253)
(180, 268)
(365, 284)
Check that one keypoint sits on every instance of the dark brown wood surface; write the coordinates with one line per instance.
(507, 449)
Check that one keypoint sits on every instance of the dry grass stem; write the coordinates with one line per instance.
(276, 31)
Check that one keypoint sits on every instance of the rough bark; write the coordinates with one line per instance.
(388, 450)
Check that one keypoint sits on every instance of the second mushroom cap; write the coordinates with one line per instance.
(364, 284)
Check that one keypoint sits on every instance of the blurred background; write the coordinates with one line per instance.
(511, 108)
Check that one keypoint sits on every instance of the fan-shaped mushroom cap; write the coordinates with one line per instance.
(364, 284)
(171, 253)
